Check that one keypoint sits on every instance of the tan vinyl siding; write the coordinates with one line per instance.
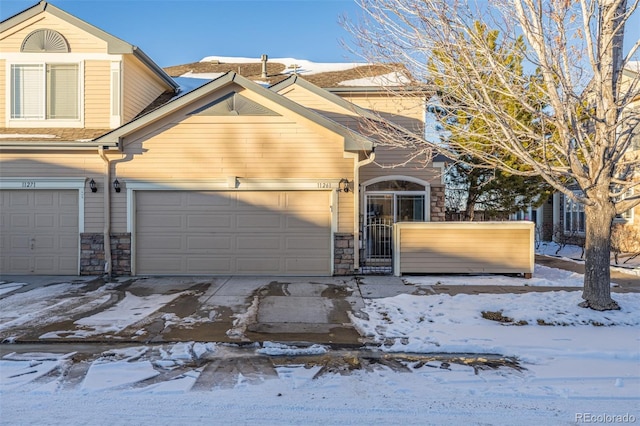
(79, 41)
(327, 108)
(407, 111)
(141, 88)
(3, 85)
(464, 247)
(97, 94)
(62, 165)
(390, 161)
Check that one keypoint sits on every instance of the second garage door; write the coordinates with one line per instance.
(234, 232)
(39, 232)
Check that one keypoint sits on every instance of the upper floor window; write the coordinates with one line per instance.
(45, 91)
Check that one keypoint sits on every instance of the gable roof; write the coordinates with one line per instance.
(341, 75)
(114, 44)
(365, 119)
(353, 141)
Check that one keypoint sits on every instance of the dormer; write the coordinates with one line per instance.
(57, 71)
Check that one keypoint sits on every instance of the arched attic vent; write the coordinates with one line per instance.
(45, 40)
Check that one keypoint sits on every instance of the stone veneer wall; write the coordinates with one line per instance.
(92, 254)
(343, 254)
(437, 204)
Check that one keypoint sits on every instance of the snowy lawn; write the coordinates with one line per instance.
(575, 366)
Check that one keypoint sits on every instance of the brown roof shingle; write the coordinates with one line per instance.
(277, 72)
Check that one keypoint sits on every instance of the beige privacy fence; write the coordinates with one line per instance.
(463, 247)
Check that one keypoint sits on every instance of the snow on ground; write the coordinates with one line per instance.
(543, 276)
(577, 366)
(628, 263)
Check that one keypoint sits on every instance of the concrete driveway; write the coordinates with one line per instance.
(37, 309)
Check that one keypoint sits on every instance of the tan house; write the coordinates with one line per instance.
(97, 144)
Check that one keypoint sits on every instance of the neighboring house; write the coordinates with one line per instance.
(230, 178)
(561, 214)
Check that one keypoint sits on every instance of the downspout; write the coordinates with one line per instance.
(356, 207)
(107, 214)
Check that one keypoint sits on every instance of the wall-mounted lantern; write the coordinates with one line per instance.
(93, 186)
(344, 185)
(116, 185)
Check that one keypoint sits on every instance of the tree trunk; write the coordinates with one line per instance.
(469, 211)
(597, 277)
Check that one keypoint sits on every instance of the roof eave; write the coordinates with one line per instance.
(54, 146)
(138, 53)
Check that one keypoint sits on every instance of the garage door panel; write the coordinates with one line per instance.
(307, 221)
(212, 221)
(148, 200)
(302, 265)
(206, 199)
(208, 243)
(20, 221)
(160, 243)
(258, 265)
(259, 221)
(234, 232)
(266, 199)
(45, 199)
(204, 265)
(45, 221)
(69, 221)
(40, 232)
(163, 221)
(318, 244)
(259, 243)
(161, 264)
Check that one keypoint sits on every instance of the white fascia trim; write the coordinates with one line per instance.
(19, 57)
(40, 183)
(396, 177)
(242, 184)
(442, 166)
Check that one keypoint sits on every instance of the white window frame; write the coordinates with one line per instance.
(569, 205)
(628, 216)
(44, 122)
(115, 119)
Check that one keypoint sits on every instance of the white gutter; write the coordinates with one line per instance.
(107, 214)
(356, 207)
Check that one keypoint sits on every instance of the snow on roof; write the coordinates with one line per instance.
(391, 79)
(300, 66)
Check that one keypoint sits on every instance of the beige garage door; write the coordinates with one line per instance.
(246, 233)
(39, 232)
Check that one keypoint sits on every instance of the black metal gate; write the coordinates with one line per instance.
(378, 246)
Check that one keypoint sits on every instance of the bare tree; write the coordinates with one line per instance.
(579, 142)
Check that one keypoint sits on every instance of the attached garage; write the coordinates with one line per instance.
(233, 232)
(39, 232)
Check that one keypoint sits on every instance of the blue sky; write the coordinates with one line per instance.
(174, 32)
(179, 31)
